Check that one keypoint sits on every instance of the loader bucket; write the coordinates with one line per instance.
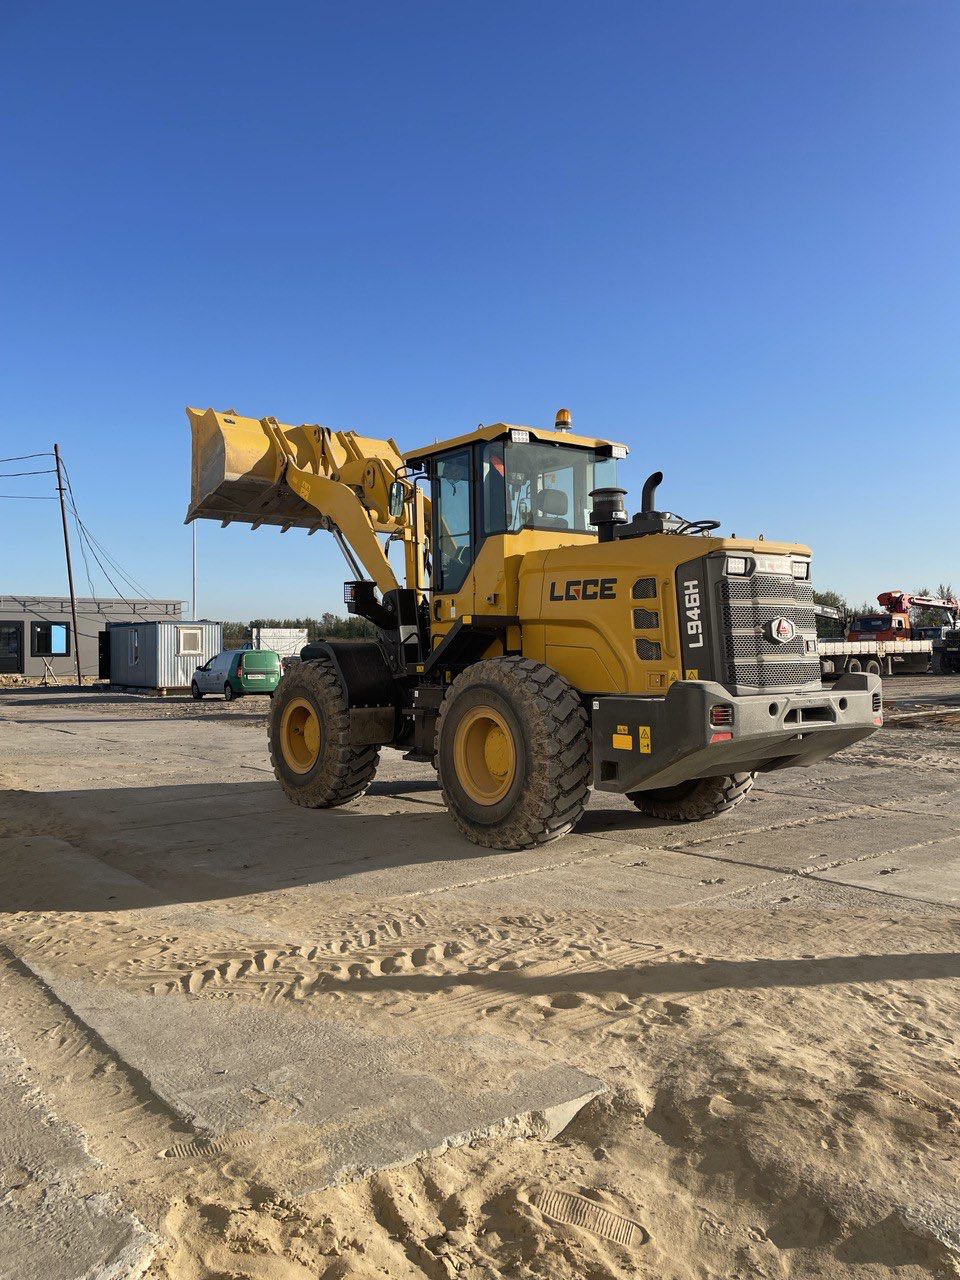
(236, 470)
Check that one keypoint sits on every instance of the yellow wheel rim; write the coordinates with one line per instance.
(484, 755)
(300, 735)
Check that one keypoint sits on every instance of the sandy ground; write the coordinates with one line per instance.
(771, 999)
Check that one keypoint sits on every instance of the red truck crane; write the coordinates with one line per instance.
(895, 623)
(887, 643)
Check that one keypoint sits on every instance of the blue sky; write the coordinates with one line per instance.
(726, 232)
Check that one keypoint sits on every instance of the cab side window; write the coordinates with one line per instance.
(494, 486)
(453, 524)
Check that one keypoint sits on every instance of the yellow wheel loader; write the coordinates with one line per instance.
(540, 641)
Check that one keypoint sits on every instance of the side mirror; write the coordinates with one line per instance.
(398, 498)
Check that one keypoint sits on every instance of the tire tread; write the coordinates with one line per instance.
(709, 798)
(555, 795)
(349, 770)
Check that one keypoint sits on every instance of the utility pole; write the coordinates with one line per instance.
(193, 598)
(66, 547)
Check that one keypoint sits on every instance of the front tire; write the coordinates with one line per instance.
(695, 800)
(513, 753)
(229, 692)
(309, 736)
(196, 691)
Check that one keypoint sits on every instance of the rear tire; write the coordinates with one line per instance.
(872, 667)
(309, 736)
(229, 692)
(513, 753)
(196, 691)
(696, 800)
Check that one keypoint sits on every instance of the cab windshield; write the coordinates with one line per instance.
(541, 486)
(882, 623)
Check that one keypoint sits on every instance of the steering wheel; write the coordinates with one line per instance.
(698, 526)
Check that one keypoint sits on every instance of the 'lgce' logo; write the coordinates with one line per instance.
(780, 630)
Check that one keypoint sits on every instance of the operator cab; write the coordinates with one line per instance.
(880, 626)
(504, 479)
(873, 624)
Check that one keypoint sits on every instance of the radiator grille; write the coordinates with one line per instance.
(775, 675)
(646, 619)
(751, 657)
(767, 586)
(645, 589)
(755, 645)
(740, 617)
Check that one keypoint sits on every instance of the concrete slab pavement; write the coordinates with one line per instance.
(57, 1219)
(42, 873)
(831, 839)
(929, 871)
(371, 1100)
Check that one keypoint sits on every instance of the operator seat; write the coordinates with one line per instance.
(552, 507)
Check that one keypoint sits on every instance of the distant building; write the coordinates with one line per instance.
(284, 641)
(36, 633)
(161, 655)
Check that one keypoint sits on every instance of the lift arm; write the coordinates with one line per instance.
(310, 477)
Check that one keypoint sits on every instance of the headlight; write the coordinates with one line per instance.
(801, 569)
(619, 451)
(737, 565)
(519, 436)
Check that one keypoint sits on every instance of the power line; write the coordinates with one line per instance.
(27, 497)
(83, 549)
(129, 605)
(24, 457)
(137, 587)
(86, 568)
(8, 475)
(95, 545)
(84, 534)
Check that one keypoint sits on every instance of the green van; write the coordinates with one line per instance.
(237, 671)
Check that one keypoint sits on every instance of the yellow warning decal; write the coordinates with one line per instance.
(672, 675)
(692, 673)
(644, 739)
(622, 742)
(623, 728)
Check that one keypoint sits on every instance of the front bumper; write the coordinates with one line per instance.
(644, 743)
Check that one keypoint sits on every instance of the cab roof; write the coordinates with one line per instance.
(502, 431)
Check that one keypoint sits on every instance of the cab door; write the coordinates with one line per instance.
(454, 537)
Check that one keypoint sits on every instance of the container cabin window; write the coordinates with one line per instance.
(50, 639)
(134, 646)
(189, 642)
(453, 494)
